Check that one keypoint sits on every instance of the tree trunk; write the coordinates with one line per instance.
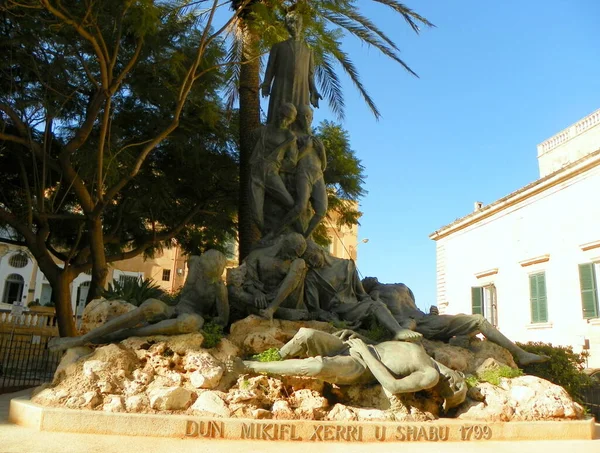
(249, 120)
(60, 281)
(98, 257)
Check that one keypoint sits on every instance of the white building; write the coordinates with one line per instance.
(530, 262)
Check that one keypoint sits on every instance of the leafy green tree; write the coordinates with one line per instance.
(344, 177)
(112, 135)
(260, 24)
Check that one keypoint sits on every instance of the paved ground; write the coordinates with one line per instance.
(15, 439)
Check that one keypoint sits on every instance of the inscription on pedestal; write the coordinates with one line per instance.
(333, 432)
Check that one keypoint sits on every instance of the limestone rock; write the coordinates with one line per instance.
(521, 398)
(372, 415)
(210, 402)
(534, 398)
(137, 403)
(224, 350)
(204, 371)
(259, 391)
(50, 397)
(341, 413)
(98, 311)
(484, 349)
(254, 335)
(113, 403)
(171, 398)
(282, 411)
(261, 414)
(454, 357)
(308, 404)
(68, 363)
(488, 364)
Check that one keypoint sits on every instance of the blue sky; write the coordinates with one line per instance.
(496, 79)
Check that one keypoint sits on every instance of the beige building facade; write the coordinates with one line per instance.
(530, 262)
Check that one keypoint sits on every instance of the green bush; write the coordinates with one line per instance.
(270, 355)
(565, 367)
(133, 290)
(213, 333)
(494, 376)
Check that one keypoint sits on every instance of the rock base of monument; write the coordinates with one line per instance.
(25, 413)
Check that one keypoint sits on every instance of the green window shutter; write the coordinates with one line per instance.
(589, 294)
(542, 299)
(537, 293)
(477, 300)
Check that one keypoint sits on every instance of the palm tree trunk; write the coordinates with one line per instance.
(249, 120)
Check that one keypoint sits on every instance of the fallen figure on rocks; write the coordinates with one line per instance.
(345, 358)
(203, 293)
(400, 300)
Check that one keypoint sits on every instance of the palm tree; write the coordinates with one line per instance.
(260, 25)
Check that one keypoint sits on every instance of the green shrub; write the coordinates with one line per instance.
(270, 355)
(565, 367)
(213, 333)
(133, 290)
(494, 376)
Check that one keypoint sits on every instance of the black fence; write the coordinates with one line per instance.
(591, 400)
(25, 361)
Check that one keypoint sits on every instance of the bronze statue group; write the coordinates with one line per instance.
(288, 276)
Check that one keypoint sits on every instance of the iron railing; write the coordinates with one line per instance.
(25, 360)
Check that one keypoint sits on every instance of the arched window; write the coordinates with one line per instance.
(13, 289)
(18, 260)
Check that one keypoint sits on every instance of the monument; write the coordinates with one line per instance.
(300, 361)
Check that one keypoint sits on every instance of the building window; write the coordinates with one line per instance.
(166, 275)
(13, 289)
(589, 289)
(18, 260)
(483, 302)
(538, 298)
(123, 279)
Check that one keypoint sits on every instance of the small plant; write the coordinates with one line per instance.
(213, 333)
(494, 376)
(270, 355)
(565, 367)
(244, 384)
(133, 290)
(471, 381)
(376, 332)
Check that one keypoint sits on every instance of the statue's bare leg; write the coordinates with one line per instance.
(387, 320)
(184, 323)
(319, 204)
(276, 188)
(293, 279)
(151, 310)
(303, 191)
(522, 357)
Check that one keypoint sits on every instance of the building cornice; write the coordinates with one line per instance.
(590, 246)
(572, 170)
(535, 260)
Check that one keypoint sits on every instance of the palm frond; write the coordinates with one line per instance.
(366, 36)
(348, 66)
(232, 80)
(354, 15)
(408, 14)
(330, 85)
